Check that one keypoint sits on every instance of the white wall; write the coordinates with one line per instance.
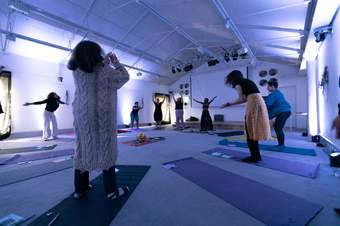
(327, 101)
(33, 79)
(290, 78)
(292, 83)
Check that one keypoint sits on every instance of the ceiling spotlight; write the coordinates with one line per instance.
(234, 55)
(226, 57)
(173, 70)
(213, 62)
(187, 67)
(139, 74)
(178, 69)
(243, 52)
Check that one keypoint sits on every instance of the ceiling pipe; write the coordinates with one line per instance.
(40, 14)
(230, 25)
(23, 37)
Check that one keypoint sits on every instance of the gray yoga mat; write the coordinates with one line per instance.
(19, 175)
(27, 149)
(288, 166)
(35, 156)
(270, 206)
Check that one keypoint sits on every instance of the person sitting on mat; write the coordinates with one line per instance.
(94, 110)
(179, 106)
(206, 122)
(257, 125)
(52, 104)
(278, 108)
(158, 115)
(134, 113)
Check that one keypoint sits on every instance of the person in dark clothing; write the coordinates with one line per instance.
(179, 110)
(256, 119)
(52, 104)
(134, 113)
(278, 108)
(206, 122)
(158, 115)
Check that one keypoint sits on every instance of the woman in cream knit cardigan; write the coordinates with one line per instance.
(94, 109)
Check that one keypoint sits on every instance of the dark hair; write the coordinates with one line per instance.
(136, 103)
(273, 82)
(85, 56)
(232, 77)
(52, 95)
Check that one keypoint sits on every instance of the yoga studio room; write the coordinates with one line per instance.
(170, 113)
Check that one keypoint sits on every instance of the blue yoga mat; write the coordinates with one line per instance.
(309, 170)
(284, 149)
(230, 133)
(270, 206)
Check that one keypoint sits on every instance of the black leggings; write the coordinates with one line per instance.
(253, 146)
(81, 181)
(280, 122)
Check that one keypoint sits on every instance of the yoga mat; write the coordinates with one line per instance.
(270, 206)
(230, 133)
(19, 175)
(35, 156)
(266, 147)
(28, 149)
(241, 138)
(288, 166)
(94, 209)
(149, 140)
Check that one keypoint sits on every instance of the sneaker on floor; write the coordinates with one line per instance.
(249, 160)
(78, 196)
(45, 139)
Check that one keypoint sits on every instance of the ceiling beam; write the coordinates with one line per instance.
(230, 25)
(305, 2)
(282, 47)
(41, 42)
(176, 28)
(272, 28)
(42, 15)
(308, 25)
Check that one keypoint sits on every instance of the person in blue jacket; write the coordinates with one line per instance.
(278, 108)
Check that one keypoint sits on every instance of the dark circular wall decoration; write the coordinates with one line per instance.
(263, 73)
(263, 82)
(272, 72)
(186, 92)
(181, 86)
(186, 85)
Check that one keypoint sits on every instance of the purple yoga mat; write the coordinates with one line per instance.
(35, 156)
(270, 206)
(288, 166)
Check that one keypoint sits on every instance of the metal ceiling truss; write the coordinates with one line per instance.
(230, 25)
(42, 15)
(272, 28)
(162, 39)
(305, 2)
(282, 47)
(177, 29)
(24, 37)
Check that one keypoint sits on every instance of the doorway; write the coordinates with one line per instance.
(165, 107)
(5, 104)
